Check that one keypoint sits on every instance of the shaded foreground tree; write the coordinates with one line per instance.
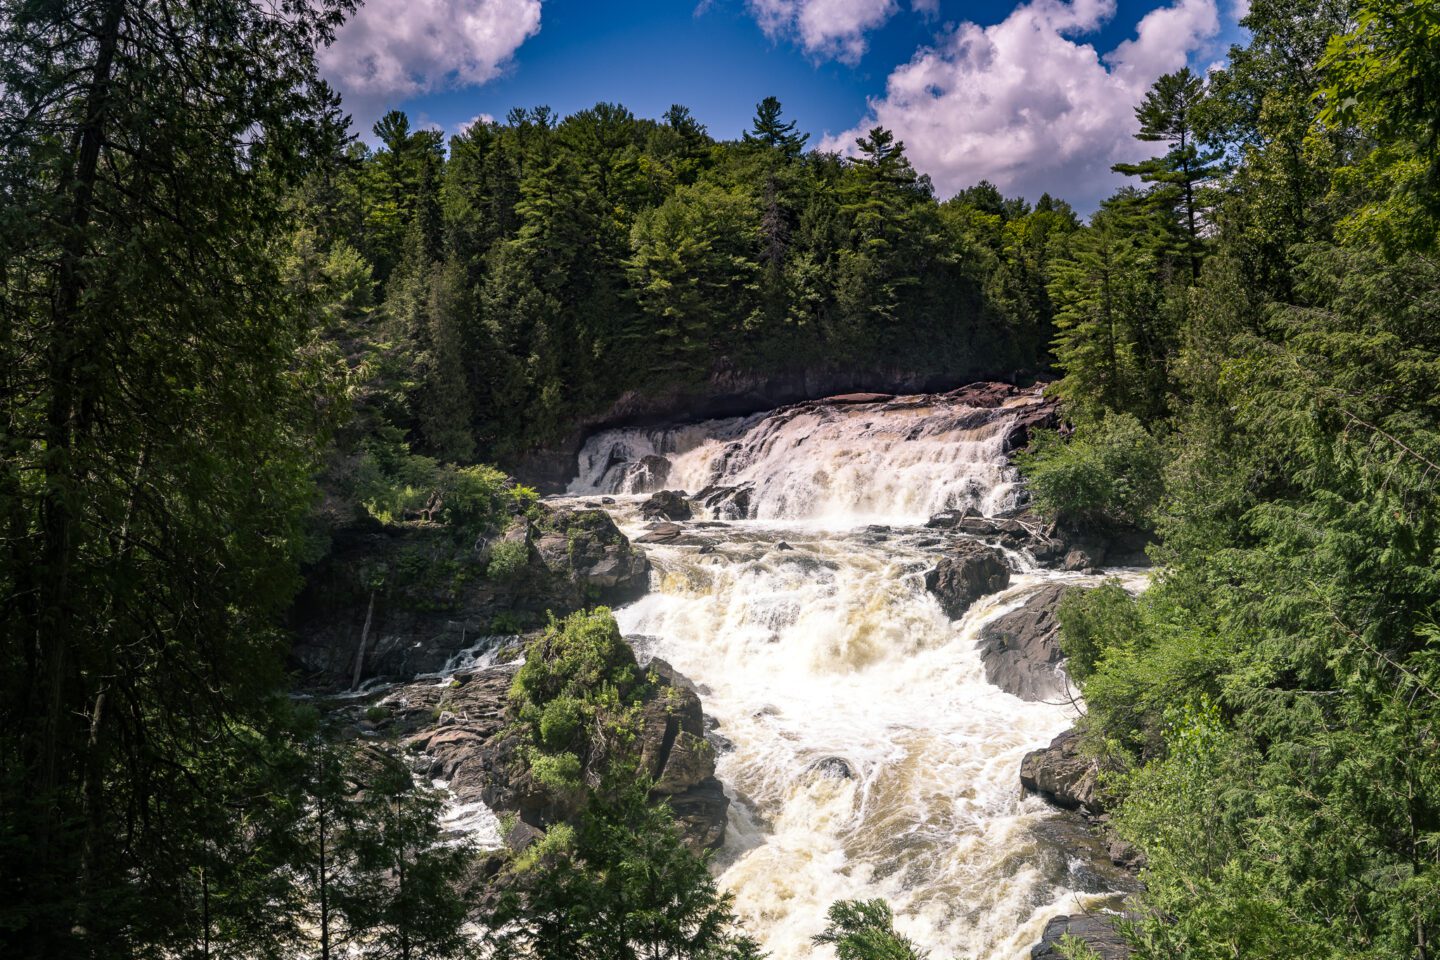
(159, 416)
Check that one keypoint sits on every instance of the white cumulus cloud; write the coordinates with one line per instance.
(1024, 104)
(824, 28)
(391, 50)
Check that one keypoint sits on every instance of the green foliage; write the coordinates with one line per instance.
(1107, 474)
(621, 885)
(864, 930)
(508, 559)
(1094, 621)
(575, 698)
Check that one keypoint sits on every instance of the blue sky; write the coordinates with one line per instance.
(1033, 96)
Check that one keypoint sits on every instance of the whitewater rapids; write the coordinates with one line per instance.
(806, 625)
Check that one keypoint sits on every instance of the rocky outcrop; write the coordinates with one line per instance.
(970, 571)
(666, 505)
(1097, 931)
(730, 393)
(1063, 775)
(393, 601)
(462, 732)
(1021, 649)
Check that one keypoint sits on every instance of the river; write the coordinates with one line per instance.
(864, 751)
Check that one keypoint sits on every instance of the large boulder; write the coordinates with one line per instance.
(1063, 775)
(1021, 649)
(462, 732)
(667, 505)
(1095, 930)
(970, 571)
(587, 549)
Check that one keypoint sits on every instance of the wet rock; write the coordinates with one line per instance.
(648, 473)
(1078, 561)
(1126, 855)
(1021, 649)
(970, 571)
(661, 533)
(782, 545)
(701, 811)
(477, 750)
(1096, 931)
(666, 505)
(833, 768)
(1062, 775)
(726, 502)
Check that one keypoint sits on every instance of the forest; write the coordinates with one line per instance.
(228, 327)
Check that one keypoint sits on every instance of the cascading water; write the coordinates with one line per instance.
(865, 751)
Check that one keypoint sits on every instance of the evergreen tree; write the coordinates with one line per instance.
(160, 429)
(865, 930)
(1167, 115)
(771, 133)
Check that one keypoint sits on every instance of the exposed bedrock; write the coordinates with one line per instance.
(396, 601)
(1062, 774)
(1097, 931)
(1021, 649)
(462, 732)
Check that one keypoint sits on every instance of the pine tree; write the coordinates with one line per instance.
(1167, 115)
(771, 133)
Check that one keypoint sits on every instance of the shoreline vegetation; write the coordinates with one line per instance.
(235, 343)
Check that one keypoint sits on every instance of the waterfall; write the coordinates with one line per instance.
(899, 460)
(863, 748)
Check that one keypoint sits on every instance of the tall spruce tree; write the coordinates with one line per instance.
(159, 423)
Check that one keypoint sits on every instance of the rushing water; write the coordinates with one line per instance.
(811, 636)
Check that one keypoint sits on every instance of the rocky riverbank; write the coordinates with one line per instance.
(392, 601)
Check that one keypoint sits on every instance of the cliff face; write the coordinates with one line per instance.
(730, 393)
(394, 601)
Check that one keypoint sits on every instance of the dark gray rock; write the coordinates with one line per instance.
(970, 571)
(1063, 775)
(462, 732)
(667, 505)
(726, 503)
(1097, 931)
(437, 595)
(833, 768)
(1021, 649)
(661, 533)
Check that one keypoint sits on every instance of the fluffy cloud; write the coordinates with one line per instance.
(1025, 105)
(825, 28)
(392, 50)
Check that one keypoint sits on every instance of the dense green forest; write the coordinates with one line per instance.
(526, 274)
(221, 316)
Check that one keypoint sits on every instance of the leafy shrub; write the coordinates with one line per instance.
(1093, 620)
(394, 485)
(1108, 474)
(507, 559)
(579, 676)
